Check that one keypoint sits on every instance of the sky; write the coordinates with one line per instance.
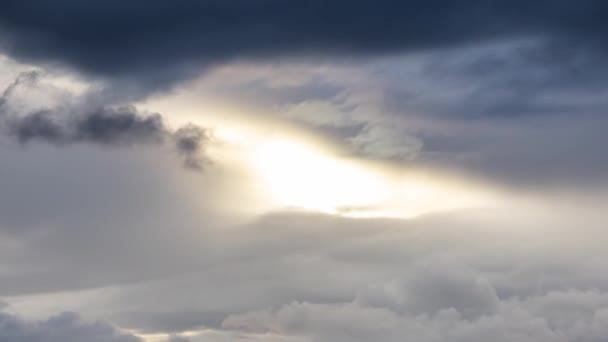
(303, 171)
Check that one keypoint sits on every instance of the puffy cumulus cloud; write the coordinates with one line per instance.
(438, 304)
(460, 275)
(66, 327)
(432, 288)
(515, 321)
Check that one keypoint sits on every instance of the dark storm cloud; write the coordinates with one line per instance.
(164, 41)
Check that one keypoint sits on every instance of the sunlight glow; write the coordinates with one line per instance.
(264, 163)
(280, 168)
(299, 177)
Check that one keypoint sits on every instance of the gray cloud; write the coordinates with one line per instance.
(562, 316)
(431, 288)
(105, 216)
(103, 124)
(177, 338)
(522, 113)
(123, 238)
(157, 43)
(189, 142)
(25, 77)
(169, 321)
(476, 265)
(66, 327)
(512, 79)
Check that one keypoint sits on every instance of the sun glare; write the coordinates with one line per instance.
(287, 172)
(300, 176)
(297, 176)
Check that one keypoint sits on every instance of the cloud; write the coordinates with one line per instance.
(66, 327)
(76, 119)
(489, 98)
(177, 338)
(526, 112)
(481, 265)
(513, 91)
(437, 302)
(157, 43)
(189, 142)
(431, 288)
(24, 77)
(567, 316)
(104, 126)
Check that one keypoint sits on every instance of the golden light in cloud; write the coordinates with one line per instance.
(297, 176)
(287, 168)
(303, 175)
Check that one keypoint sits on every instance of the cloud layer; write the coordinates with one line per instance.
(158, 42)
(510, 96)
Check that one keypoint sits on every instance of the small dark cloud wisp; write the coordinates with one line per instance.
(101, 125)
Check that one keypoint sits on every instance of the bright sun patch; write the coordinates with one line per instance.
(297, 176)
(300, 176)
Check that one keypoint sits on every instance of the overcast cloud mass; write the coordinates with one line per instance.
(303, 171)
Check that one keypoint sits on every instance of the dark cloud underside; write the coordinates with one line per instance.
(161, 41)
